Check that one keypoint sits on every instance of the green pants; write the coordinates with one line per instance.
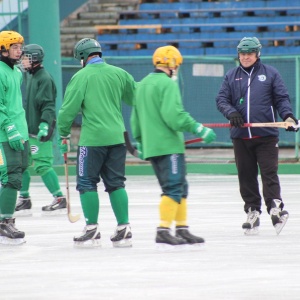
(12, 165)
(41, 157)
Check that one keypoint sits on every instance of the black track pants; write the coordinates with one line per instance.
(252, 156)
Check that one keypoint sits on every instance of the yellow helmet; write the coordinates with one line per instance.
(167, 56)
(7, 38)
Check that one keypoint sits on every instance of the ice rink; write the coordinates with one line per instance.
(230, 266)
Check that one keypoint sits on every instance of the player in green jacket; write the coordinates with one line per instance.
(97, 90)
(40, 115)
(158, 121)
(13, 135)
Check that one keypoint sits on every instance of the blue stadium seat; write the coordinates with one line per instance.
(213, 27)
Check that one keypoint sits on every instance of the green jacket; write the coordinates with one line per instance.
(40, 99)
(97, 91)
(11, 106)
(158, 119)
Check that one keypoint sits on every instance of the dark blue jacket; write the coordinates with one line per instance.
(258, 95)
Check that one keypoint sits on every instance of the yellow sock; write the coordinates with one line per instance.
(181, 215)
(168, 209)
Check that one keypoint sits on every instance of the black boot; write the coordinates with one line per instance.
(183, 232)
(163, 236)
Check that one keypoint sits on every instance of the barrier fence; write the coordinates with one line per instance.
(200, 79)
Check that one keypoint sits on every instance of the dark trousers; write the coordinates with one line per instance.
(106, 162)
(252, 156)
(170, 171)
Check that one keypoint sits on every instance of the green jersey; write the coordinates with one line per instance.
(11, 106)
(97, 91)
(40, 99)
(158, 118)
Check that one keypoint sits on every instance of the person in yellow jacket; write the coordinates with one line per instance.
(158, 121)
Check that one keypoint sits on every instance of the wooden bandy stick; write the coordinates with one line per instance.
(285, 125)
(271, 124)
(71, 218)
(224, 125)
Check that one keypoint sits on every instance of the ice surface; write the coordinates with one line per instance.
(230, 266)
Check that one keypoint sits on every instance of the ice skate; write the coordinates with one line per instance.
(57, 207)
(90, 237)
(183, 232)
(23, 207)
(278, 216)
(9, 234)
(251, 225)
(164, 240)
(122, 237)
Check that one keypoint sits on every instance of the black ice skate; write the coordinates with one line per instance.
(23, 207)
(90, 237)
(57, 207)
(252, 223)
(122, 237)
(183, 232)
(278, 216)
(9, 234)
(164, 239)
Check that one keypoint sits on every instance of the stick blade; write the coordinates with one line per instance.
(73, 218)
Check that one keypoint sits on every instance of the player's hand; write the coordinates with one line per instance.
(236, 119)
(292, 119)
(43, 130)
(14, 137)
(139, 149)
(64, 144)
(207, 134)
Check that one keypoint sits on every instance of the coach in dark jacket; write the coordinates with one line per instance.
(255, 93)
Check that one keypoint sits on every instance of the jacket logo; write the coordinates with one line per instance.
(262, 77)
(10, 127)
(34, 149)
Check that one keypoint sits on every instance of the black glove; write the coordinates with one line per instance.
(292, 119)
(236, 119)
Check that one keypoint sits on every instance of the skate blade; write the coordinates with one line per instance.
(62, 211)
(279, 226)
(195, 246)
(168, 247)
(23, 213)
(253, 231)
(125, 243)
(88, 244)
(11, 242)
